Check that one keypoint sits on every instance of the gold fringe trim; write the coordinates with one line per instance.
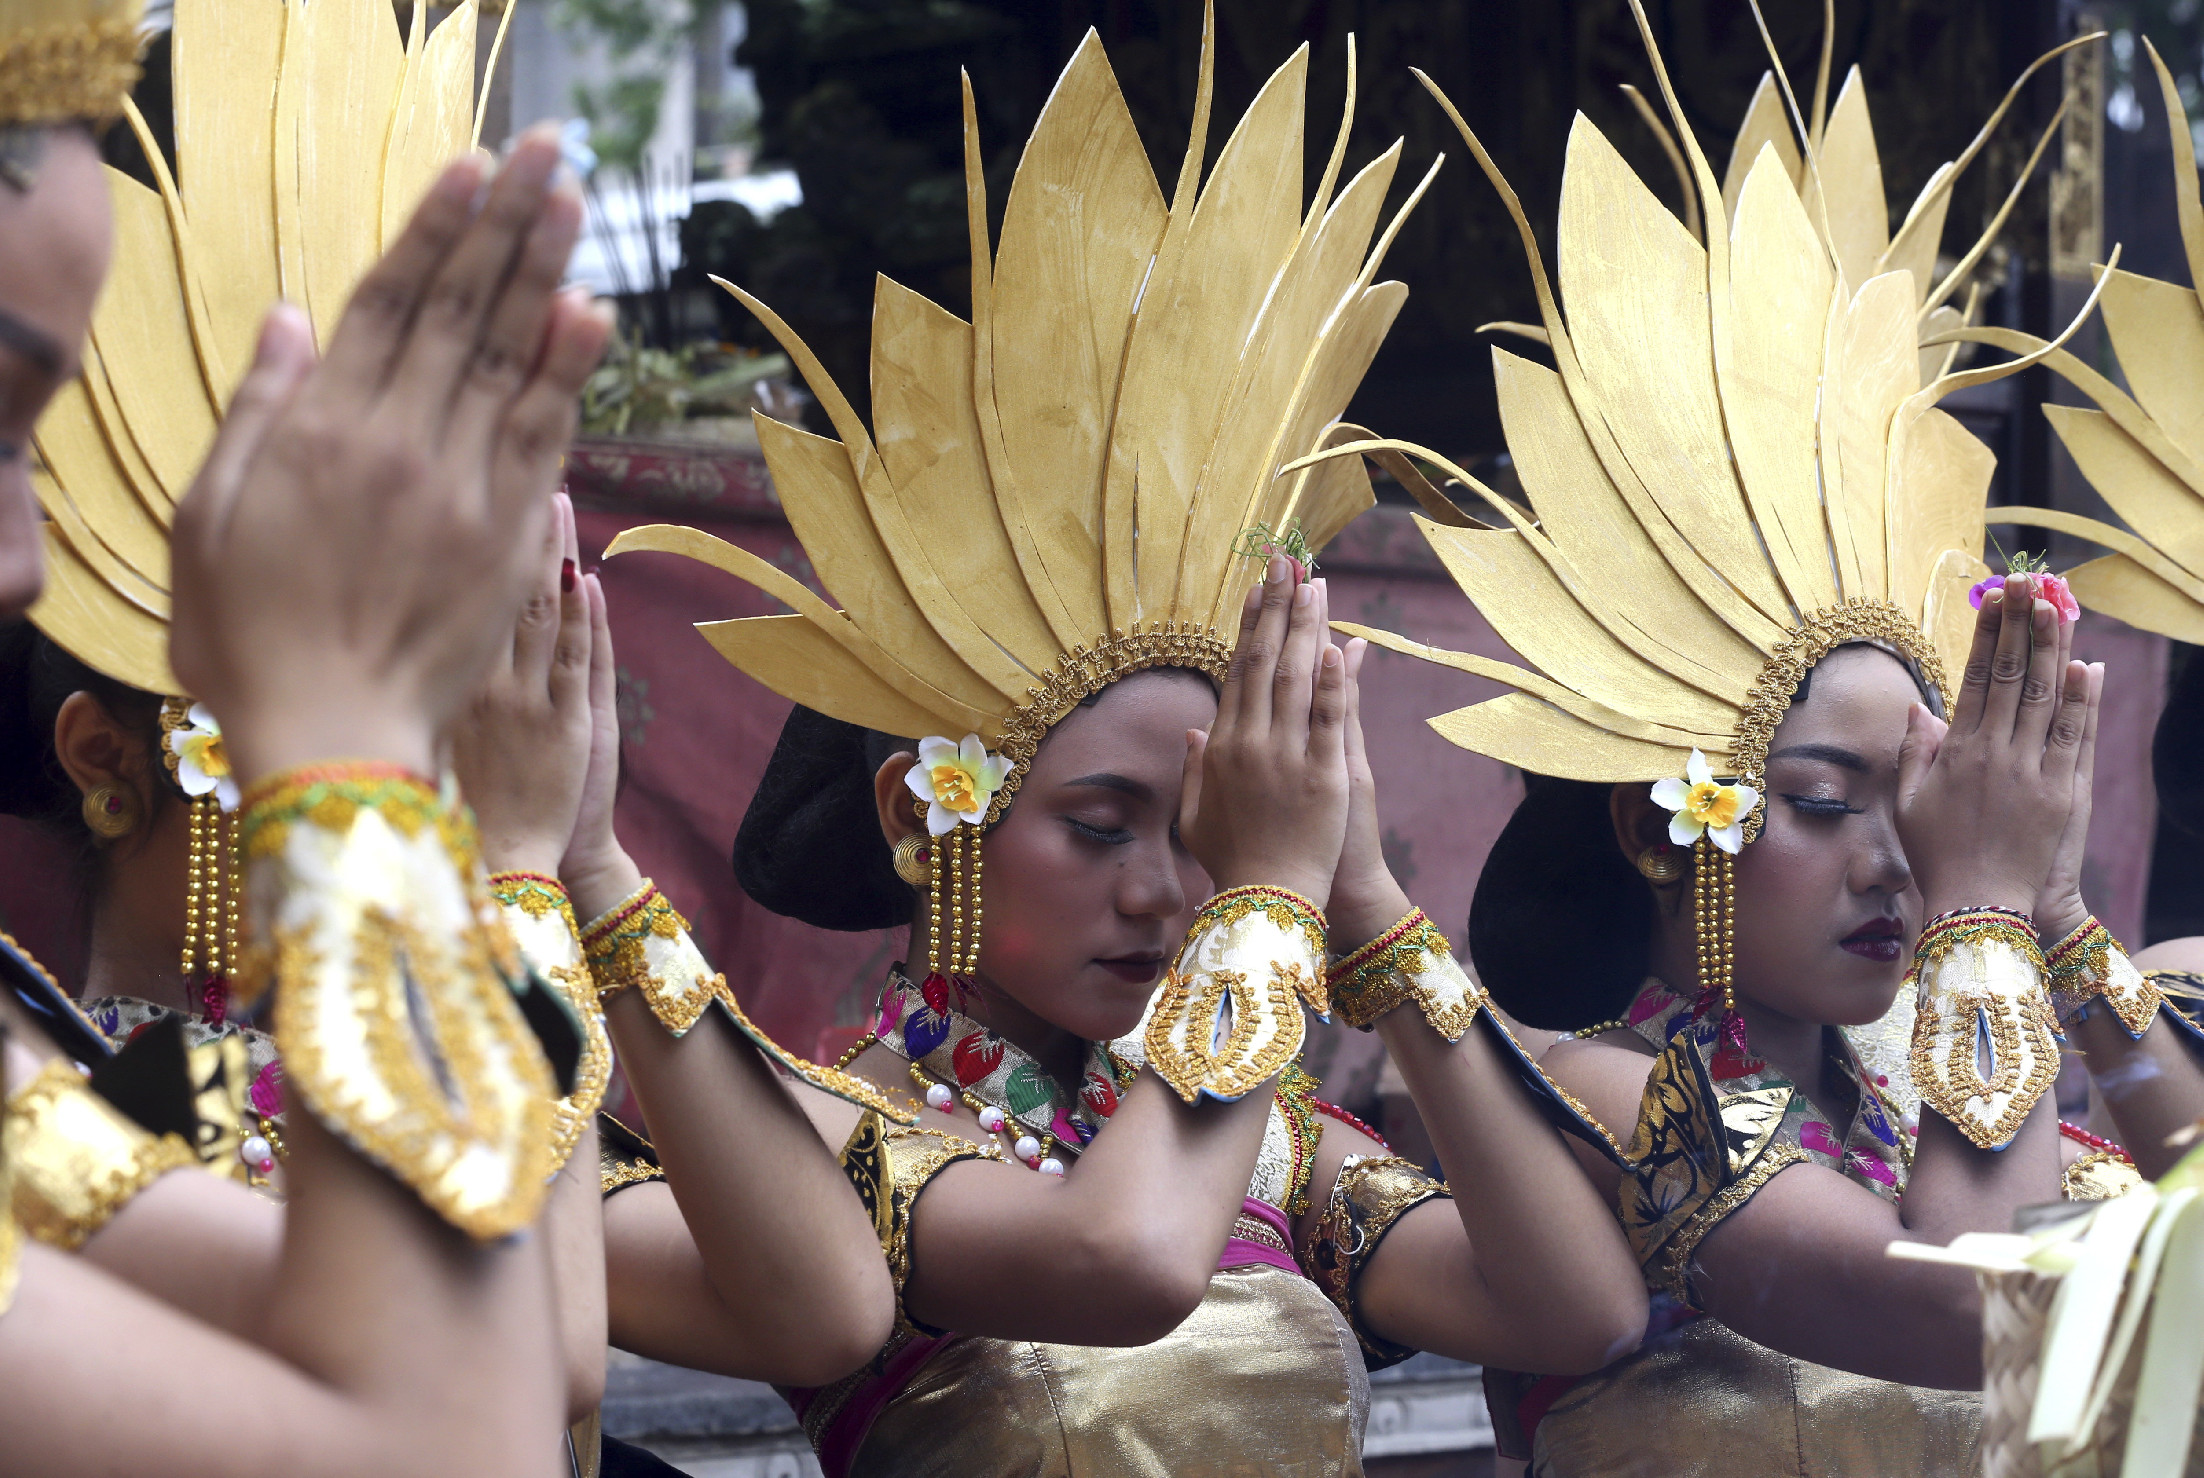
(62, 72)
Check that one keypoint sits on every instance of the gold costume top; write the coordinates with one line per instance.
(1268, 1374)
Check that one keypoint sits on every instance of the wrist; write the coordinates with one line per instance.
(519, 854)
(1362, 911)
(2056, 920)
(1946, 900)
(1315, 887)
(598, 883)
(264, 744)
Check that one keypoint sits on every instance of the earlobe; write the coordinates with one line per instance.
(93, 748)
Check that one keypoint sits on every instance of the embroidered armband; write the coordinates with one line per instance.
(2089, 965)
(641, 943)
(1411, 961)
(1985, 1045)
(1372, 1193)
(624, 1158)
(541, 923)
(2183, 993)
(75, 1160)
(1229, 1014)
(890, 1166)
(399, 1019)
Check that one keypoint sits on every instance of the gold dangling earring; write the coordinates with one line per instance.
(972, 941)
(110, 811)
(913, 860)
(1714, 914)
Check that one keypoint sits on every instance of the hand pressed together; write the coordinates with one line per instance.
(1266, 789)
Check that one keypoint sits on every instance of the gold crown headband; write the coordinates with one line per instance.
(284, 189)
(1052, 496)
(2143, 449)
(1734, 468)
(62, 59)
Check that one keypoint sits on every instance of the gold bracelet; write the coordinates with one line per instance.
(2089, 964)
(541, 921)
(397, 1020)
(76, 1160)
(1981, 998)
(1256, 954)
(1410, 962)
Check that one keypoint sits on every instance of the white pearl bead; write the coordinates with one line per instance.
(1051, 1166)
(991, 1119)
(1027, 1147)
(255, 1150)
(939, 1097)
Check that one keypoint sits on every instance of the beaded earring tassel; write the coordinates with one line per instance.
(1714, 912)
(956, 878)
(214, 888)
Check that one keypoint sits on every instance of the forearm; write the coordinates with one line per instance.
(1118, 1252)
(574, 1227)
(1552, 1267)
(2153, 1085)
(732, 1141)
(198, 1243)
(1955, 1187)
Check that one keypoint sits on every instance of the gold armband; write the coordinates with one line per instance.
(2089, 964)
(642, 943)
(1409, 962)
(541, 922)
(1229, 1014)
(889, 1166)
(1372, 1193)
(624, 1158)
(1982, 1001)
(75, 1160)
(397, 1019)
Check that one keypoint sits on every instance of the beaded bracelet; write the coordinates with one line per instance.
(612, 942)
(535, 895)
(1375, 979)
(1284, 906)
(1947, 931)
(2088, 965)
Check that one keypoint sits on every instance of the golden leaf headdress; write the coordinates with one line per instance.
(1734, 467)
(62, 59)
(1050, 496)
(2144, 449)
(305, 134)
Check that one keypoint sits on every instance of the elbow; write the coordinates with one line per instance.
(830, 1349)
(1154, 1285)
(585, 1383)
(1603, 1335)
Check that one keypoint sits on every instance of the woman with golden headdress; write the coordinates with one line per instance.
(1749, 536)
(1104, 782)
(147, 777)
(409, 1330)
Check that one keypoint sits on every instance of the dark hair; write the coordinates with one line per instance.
(809, 847)
(2177, 749)
(1561, 925)
(36, 678)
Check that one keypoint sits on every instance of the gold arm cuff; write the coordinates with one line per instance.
(541, 922)
(1411, 961)
(76, 1160)
(889, 1166)
(1674, 1274)
(1981, 997)
(2089, 963)
(397, 1021)
(1372, 1193)
(1257, 953)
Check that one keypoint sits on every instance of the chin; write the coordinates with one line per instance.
(1862, 993)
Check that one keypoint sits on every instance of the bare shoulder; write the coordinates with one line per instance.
(2173, 954)
(1605, 1073)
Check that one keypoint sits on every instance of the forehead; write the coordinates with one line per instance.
(54, 242)
(1857, 698)
(1135, 727)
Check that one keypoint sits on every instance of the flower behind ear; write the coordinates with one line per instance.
(957, 781)
(1701, 806)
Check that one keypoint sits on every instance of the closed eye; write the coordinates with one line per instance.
(1107, 836)
(1821, 805)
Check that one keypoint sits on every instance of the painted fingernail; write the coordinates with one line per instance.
(566, 576)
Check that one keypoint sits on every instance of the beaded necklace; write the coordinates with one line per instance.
(953, 1059)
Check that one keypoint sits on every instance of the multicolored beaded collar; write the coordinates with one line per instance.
(923, 1025)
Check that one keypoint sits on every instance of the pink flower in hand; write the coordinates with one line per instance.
(2048, 586)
